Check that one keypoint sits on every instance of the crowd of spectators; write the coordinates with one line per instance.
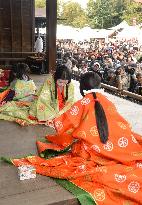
(119, 64)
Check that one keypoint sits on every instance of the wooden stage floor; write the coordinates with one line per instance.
(20, 141)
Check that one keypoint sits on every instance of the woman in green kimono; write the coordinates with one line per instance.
(23, 86)
(53, 98)
(14, 102)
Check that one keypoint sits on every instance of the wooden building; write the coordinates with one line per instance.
(17, 31)
(16, 28)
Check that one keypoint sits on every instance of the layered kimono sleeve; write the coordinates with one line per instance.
(71, 97)
(70, 120)
(23, 89)
(39, 91)
(70, 101)
(43, 108)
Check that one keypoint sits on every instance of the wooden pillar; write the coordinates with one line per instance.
(51, 22)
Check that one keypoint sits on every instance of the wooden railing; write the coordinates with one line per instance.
(122, 93)
(115, 91)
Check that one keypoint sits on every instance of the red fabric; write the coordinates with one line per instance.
(4, 79)
(111, 172)
(63, 141)
(3, 84)
(3, 95)
(41, 146)
(32, 117)
(60, 98)
(6, 74)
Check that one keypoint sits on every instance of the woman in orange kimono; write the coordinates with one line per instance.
(104, 157)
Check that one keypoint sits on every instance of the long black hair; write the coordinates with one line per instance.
(62, 72)
(22, 70)
(88, 81)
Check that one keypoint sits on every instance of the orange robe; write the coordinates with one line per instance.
(3, 95)
(111, 173)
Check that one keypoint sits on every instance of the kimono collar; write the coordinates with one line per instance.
(93, 91)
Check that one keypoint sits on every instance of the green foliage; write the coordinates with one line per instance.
(99, 13)
(73, 13)
(118, 8)
(40, 3)
(59, 7)
(91, 14)
(105, 14)
(133, 10)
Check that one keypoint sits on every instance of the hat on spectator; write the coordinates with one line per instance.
(96, 63)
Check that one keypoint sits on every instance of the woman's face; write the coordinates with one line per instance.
(62, 83)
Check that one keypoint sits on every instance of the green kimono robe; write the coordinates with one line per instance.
(23, 89)
(14, 110)
(46, 107)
